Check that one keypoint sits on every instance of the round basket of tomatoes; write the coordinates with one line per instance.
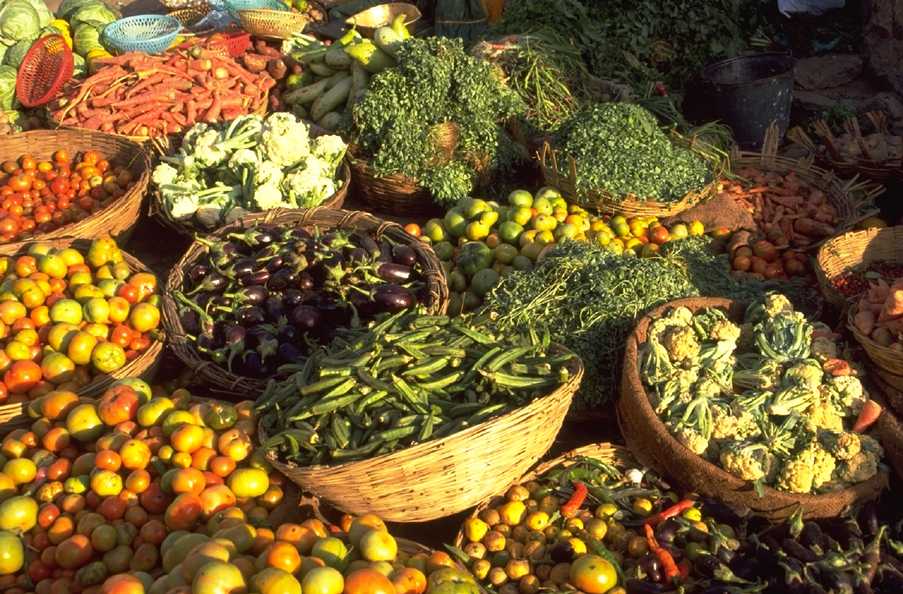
(67, 183)
(74, 315)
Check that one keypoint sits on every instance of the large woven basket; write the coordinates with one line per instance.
(119, 217)
(841, 254)
(187, 229)
(564, 177)
(228, 385)
(444, 476)
(885, 358)
(653, 445)
(393, 195)
(145, 364)
(604, 452)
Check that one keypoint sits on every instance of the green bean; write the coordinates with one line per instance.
(397, 433)
(475, 335)
(518, 381)
(342, 388)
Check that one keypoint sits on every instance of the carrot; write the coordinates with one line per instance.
(837, 368)
(191, 111)
(758, 190)
(213, 113)
(665, 559)
(813, 228)
(870, 412)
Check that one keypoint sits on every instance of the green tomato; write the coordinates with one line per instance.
(505, 253)
(473, 257)
(522, 263)
(457, 282)
(520, 198)
(509, 232)
(549, 193)
(543, 206)
(483, 281)
(521, 215)
(473, 207)
(445, 251)
(566, 230)
(434, 230)
(455, 304)
(455, 222)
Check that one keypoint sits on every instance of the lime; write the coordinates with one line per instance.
(520, 198)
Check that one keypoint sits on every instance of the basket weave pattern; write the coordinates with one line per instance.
(653, 445)
(272, 24)
(145, 364)
(394, 194)
(444, 476)
(233, 386)
(119, 217)
(840, 254)
(148, 33)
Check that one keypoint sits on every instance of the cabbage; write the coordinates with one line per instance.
(44, 14)
(68, 7)
(19, 21)
(79, 66)
(86, 38)
(3, 49)
(8, 88)
(14, 119)
(95, 14)
(16, 54)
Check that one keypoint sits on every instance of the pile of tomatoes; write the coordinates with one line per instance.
(66, 316)
(40, 196)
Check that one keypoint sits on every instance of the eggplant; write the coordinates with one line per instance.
(392, 298)
(292, 297)
(811, 534)
(235, 334)
(212, 283)
(288, 353)
(275, 263)
(725, 555)
(651, 567)
(302, 234)
(243, 267)
(305, 281)
(868, 519)
(798, 551)
(635, 586)
(394, 273)
(385, 251)
(251, 364)
(306, 318)
(258, 277)
(250, 315)
(836, 580)
(404, 255)
(191, 321)
(197, 272)
(274, 308)
(706, 564)
(282, 280)
(562, 552)
(696, 535)
(667, 530)
(357, 254)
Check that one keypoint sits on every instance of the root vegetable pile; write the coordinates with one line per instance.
(879, 313)
(138, 94)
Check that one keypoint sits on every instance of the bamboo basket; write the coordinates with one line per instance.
(119, 217)
(653, 445)
(443, 476)
(840, 254)
(189, 230)
(272, 24)
(145, 364)
(229, 385)
(853, 199)
(885, 358)
(604, 452)
(628, 206)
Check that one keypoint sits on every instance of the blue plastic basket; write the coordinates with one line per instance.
(233, 6)
(148, 33)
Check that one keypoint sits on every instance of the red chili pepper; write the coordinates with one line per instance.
(664, 556)
(684, 568)
(670, 512)
(569, 509)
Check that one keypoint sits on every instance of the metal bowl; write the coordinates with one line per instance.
(382, 15)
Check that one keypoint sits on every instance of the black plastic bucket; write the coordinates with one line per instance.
(748, 93)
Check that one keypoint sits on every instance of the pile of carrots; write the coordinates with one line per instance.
(790, 215)
(137, 94)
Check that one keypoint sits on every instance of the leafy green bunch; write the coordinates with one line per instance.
(436, 82)
(619, 148)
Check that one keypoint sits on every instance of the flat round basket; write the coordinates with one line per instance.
(444, 476)
(604, 452)
(653, 445)
(119, 217)
(228, 385)
(564, 177)
(190, 16)
(394, 194)
(272, 24)
(145, 364)
(187, 229)
(148, 33)
(841, 254)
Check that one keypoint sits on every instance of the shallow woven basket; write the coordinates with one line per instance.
(394, 194)
(187, 229)
(229, 385)
(554, 174)
(885, 358)
(145, 364)
(841, 254)
(853, 199)
(119, 217)
(604, 452)
(272, 24)
(653, 445)
(443, 476)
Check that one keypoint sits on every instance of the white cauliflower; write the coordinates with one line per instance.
(329, 148)
(268, 174)
(244, 158)
(268, 196)
(284, 139)
(311, 184)
(847, 394)
(164, 174)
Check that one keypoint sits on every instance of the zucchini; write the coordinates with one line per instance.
(321, 69)
(373, 59)
(335, 78)
(359, 81)
(337, 58)
(331, 99)
(305, 95)
(387, 40)
(330, 121)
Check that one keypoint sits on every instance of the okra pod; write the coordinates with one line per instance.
(321, 385)
(426, 368)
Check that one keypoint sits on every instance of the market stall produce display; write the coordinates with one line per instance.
(221, 172)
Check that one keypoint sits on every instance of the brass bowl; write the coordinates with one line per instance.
(382, 15)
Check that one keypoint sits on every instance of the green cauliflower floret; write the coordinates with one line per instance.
(792, 400)
(713, 324)
(847, 394)
(860, 467)
(689, 437)
(842, 445)
(769, 306)
(208, 149)
(807, 373)
(797, 475)
(330, 149)
(731, 422)
(748, 461)
(823, 415)
(678, 388)
(707, 387)
(681, 343)
(755, 372)
(284, 139)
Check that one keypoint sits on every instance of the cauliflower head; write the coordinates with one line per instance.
(729, 422)
(310, 185)
(748, 461)
(797, 475)
(692, 439)
(769, 306)
(713, 324)
(847, 393)
(858, 468)
(164, 174)
(329, 148)
(681, 343)
(268, 197)
(807, 373)
(284, 139)
(823, 415)
(842, 445)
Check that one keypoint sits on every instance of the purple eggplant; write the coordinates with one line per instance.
(258, 277)
(274, 307)
(197, 272)
(275, 263)
(288, 353)
(191, 322)
(367, 243)
(243, 267)
(404, 255)
(292, 297)
(250, 315)
(282, 280)
(213, 283)
(394, 273)
(305, 318)
(235, 334)
(635, 586)
(251, 364)
(392, 298)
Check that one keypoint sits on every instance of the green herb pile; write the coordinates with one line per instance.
(769, 401)
(437, 82)
(619, 148)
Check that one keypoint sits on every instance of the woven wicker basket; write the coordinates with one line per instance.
(120, 216)
(393, 194)
(604, 452)
(145, 364)
(653, 445)
(444, 476)
(231, 386)
(885, 358)
(628, 206)
(186, 229)
(272, 24)
(841, 254)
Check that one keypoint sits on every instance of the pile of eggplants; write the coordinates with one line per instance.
(265, 296)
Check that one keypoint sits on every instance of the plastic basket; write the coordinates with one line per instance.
(233, 44)
(233, 6)
(46, 67)
(148, 33)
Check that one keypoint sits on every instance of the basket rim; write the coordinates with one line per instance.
(570, 386)
(33, 61)
(118, 24)
(722, 477)
(828, 250)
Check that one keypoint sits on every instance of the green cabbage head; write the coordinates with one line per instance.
(85, 39)
(8, 88)
(19, 21)
(16, 54)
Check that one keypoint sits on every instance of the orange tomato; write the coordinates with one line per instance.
(138, 481)
(368, 581)
(108, 460)
(136, 454)
(282, 555)
(22, 376)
